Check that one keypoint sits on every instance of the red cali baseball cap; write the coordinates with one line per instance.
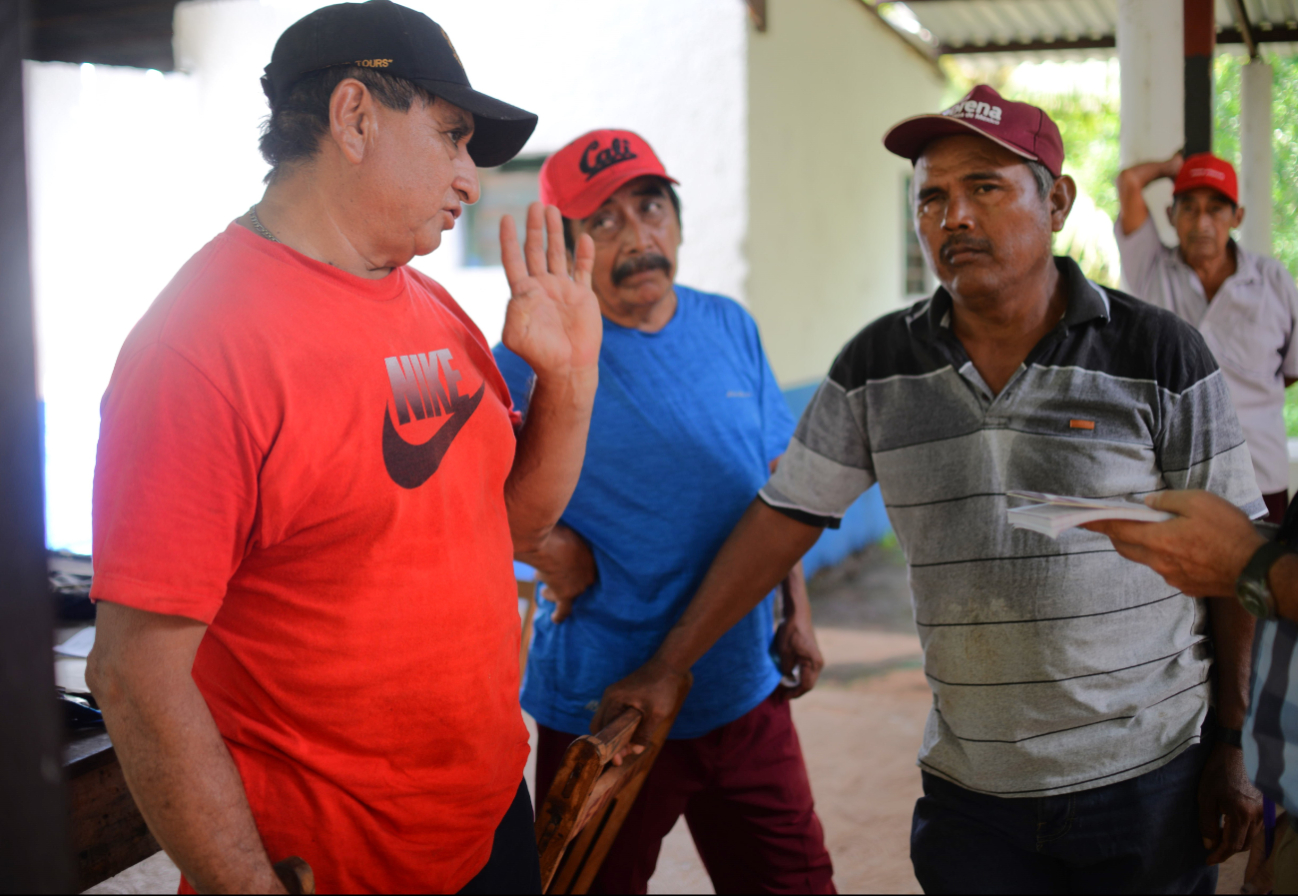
(580, 177)
(1207, 170)
(1021, 128)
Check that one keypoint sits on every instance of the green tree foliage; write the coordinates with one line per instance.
(1284, 143)
(1089, 125)
(1088, 121)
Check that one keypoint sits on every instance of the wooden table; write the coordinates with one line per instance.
(108, 832)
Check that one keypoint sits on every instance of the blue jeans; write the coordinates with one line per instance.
(1136, 836)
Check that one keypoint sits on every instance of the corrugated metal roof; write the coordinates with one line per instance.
(1269, 13)
(1053, 25)
(958, 23)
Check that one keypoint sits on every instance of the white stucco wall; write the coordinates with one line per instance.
(825, 242)
(671, 70)
(131, 172)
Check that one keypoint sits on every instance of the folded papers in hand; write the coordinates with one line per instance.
(1052, 514)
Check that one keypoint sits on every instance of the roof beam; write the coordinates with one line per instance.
(929, 56)
(1276, 35)
(1224, 36)
(1104, 42)
(112, 32)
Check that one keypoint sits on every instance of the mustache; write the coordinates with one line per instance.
(639, 264)
(962, 243)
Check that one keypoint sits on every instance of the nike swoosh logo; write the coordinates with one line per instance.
(410, 466)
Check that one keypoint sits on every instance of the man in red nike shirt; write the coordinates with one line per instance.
(309, 492)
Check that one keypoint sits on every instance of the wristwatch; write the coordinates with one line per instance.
(1252, 587)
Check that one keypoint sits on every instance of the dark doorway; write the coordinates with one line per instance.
(34, 854)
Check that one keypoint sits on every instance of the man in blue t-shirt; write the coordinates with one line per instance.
(687, 424)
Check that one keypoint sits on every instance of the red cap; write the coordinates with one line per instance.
(1019, 127)
(581, 176)
(1207, 170)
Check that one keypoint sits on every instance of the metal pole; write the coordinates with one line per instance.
(1255, 156)
(34, 851)
(1245, 26)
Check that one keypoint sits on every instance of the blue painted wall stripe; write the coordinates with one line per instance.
(865, 522)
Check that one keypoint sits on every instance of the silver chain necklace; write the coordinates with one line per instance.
(258, 226)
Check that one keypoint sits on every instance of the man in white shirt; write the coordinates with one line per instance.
(1244, 304)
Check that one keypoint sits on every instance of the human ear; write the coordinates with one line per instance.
(1239, 217)
(1061, 198)
(351, 118)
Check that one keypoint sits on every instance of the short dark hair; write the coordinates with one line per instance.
(292, 131)
(1045, 180)
(570, 238)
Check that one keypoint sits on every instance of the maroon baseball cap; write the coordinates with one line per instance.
(581, 176)
(1021, 128)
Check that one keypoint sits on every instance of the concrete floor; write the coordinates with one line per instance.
(860, 729)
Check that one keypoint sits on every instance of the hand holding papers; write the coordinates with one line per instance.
(1052, 514)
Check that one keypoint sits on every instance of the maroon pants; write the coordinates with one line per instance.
(744, 792)
(1276, 504)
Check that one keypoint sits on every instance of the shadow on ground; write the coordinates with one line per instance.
(868, 590)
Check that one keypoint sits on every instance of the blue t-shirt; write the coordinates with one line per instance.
(685, 424)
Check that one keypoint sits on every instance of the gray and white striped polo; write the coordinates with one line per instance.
(1055, 666)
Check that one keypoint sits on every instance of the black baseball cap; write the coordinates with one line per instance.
(394, 40)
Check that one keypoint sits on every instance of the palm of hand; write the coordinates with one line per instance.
(553, 321)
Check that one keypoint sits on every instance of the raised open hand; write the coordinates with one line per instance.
(553, 320)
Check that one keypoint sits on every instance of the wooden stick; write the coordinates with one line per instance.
(296, 876)
(589, 799)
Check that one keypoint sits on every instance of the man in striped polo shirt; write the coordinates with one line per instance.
(1069, 746)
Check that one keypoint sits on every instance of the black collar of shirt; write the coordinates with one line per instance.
(1086, 301)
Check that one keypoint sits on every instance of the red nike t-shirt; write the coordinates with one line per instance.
(313, 464)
